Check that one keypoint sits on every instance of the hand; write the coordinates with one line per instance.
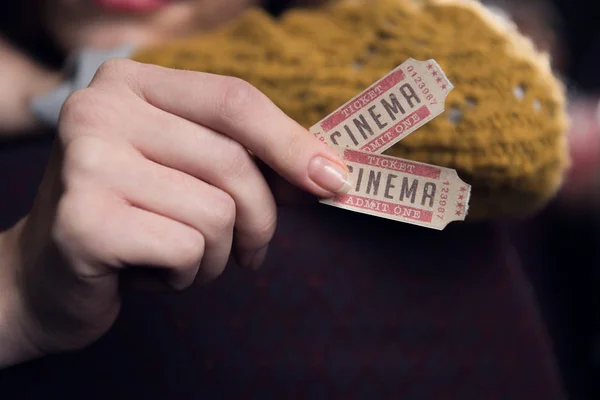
(151, 174)
(20, 80)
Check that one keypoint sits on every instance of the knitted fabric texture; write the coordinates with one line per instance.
(505, 122)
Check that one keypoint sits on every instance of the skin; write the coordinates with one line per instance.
(149, 183)
(147, 177)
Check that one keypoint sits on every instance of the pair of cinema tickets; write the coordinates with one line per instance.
(383, 114)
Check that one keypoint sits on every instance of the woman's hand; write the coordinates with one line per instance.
(151, 174)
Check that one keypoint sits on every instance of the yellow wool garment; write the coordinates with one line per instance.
(505, 122)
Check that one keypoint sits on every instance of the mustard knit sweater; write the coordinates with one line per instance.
(504, 128)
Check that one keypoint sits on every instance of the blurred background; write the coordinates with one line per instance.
(559, 246)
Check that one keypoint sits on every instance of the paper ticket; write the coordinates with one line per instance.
(390, 109)
(401, 190)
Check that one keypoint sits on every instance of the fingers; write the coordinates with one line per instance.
(178, 147)
(187, 147)
(116, 234)
(158, 189)
(217, 160)
(243, 113)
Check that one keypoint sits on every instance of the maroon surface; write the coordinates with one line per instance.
(348, 306)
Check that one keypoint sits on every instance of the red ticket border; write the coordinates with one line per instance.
(392, 209)
(365, 98)
(378, 160)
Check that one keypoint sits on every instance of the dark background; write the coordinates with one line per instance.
(559, 250)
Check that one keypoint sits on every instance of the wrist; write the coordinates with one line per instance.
(15, 347)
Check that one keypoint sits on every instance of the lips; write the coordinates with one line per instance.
(132, 5)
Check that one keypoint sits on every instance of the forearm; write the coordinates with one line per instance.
(15, 348)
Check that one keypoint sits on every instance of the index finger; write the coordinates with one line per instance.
(235, 108)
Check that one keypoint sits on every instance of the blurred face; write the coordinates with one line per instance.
(109, 23)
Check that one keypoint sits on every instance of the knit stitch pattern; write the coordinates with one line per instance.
(504, 128)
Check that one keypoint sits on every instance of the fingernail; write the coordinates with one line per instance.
(329, 175)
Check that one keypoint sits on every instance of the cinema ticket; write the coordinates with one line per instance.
(389, 110)
(401, 190)
(383, 114)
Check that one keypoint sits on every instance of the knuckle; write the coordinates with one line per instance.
(290, 150)
(237, 96)
(83, 156)
(223, 213)
(237, 162)
(75, 223)
(265, 229)
(114, 69)
(79, 110)
(90, 111)
(190, 250)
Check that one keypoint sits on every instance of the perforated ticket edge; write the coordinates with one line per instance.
(426, 79)
(450, 203)
(431, 82)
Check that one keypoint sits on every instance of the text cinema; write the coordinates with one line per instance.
(387, 185)
(360, 128)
